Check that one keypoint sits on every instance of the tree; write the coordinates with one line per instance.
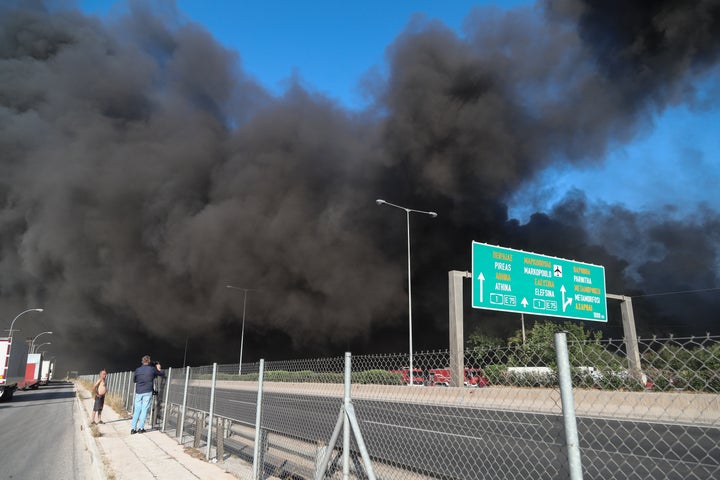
(479, 340)
(485, 349)
(584, 347)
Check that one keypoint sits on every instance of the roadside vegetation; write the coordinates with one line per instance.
(689, 365)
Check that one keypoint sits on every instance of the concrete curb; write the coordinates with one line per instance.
(96, 459)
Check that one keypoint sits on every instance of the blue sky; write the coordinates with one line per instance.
(331, 45)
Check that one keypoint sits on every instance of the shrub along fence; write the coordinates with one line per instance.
(561, 409)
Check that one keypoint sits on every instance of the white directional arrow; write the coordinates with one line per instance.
(481, 277)
(565, 303)
(524, 302)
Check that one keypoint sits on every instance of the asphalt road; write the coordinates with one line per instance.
(481, 443)
(39, 437)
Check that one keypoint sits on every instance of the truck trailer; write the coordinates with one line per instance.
(33, 369)
(47, 372)
(13, 366)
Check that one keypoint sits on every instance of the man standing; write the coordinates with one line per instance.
(144, 376)
(99, 390)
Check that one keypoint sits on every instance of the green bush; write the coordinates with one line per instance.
(674, 367)
(584, 379)
(495, 374)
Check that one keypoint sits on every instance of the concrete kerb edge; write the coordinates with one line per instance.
(96, 459)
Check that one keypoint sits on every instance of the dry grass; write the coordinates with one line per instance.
(87, 385)
(116, 403)
(195, 453)
(111, 400)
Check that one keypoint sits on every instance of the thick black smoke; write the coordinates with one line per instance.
(143, 170)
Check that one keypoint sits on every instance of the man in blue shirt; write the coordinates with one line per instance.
(144, 376)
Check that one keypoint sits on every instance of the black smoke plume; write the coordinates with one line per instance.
(143, 170)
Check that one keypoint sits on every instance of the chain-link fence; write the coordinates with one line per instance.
(509, 417)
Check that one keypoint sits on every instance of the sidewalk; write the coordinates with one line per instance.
(151, 455)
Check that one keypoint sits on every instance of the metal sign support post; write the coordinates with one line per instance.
(631, 341)
(457, 349)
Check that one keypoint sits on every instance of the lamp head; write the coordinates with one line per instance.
(432, 214)
(379, 201)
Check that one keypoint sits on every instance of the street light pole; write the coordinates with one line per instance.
(18, 316)
(42, 344)
(242, 330)
(408, 211)
(32, 343)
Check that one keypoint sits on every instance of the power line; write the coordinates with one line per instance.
(677, 293)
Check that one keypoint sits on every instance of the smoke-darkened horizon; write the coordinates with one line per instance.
(144, 170)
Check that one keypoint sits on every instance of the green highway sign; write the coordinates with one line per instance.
(524, 282)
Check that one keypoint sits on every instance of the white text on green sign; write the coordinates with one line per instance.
(524, 282)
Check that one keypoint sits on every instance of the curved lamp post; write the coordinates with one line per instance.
(32, 343)
(408, 211)
(42, 344)
(242, 330)
(18, 316)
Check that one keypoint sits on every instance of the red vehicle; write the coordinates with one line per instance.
(474, 377)
(418, 377)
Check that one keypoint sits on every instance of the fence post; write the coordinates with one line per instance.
(347, 414)
(210, 414)
(167, 396)
(184, 405)
(220, 442)
(258, 461)
(568, 407)
(128, 387)
(346, 420)
(123, 386)
(131, 390)
(199, 424)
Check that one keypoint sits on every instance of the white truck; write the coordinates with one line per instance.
(47, 372)
(13, 363)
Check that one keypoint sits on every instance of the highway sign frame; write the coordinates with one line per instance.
(516, 281)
